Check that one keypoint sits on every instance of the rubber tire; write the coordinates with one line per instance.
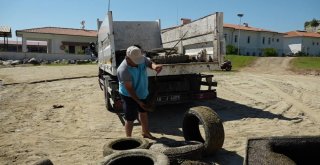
(43, 162)
(130, 143)
(179, 150)
(193, 162)
(213, 128)
(134, 156)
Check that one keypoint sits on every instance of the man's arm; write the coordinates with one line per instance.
(155, 67)
(132, 93)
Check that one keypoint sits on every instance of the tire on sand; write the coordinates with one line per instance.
(136, 156)
(213, 128)
(123, 144)
(43, 162)
(179, 150)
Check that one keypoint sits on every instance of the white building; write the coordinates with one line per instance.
(252, 41)
(301, 41)
(59, 40)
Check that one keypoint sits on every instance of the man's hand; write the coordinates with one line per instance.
(157, 68)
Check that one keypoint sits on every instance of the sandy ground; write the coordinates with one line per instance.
(263, 100)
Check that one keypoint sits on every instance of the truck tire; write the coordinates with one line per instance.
(179, 150)
(213, 128)
(136, 156)
(193, 162)
(107, 97)
(123, 144)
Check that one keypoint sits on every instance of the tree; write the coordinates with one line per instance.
(306, 24)
(314, 23)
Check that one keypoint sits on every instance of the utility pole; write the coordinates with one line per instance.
(240, 16)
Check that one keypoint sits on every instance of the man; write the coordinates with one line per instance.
(133, 88)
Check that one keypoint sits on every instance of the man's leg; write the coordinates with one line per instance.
(144, 125)
(128, 127)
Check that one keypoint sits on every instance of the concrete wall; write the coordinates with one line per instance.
(308, 45)
(55, 41)
(256, 45)
(43, 56)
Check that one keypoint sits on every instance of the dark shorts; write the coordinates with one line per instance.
(131, 108)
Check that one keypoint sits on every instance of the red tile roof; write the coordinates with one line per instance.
(248, 28)
(302, 34)
(60, 31)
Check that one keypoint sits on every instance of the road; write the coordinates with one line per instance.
(262, 100)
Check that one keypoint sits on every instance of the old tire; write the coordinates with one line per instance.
(123, 144)
(213, 128)
(194, 162)
(136, 156)
(43, 162)
(179, 150)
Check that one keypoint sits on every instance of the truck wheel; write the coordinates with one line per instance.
(179, 150)
(136, 156)
(123, 144)
(107, 96)
(213, 128)
(193, 162)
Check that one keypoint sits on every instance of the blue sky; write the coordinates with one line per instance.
(276, 15)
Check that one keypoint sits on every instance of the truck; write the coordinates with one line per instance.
(186, 52)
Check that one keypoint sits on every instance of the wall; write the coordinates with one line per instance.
(311, 46)
(256, 45)
(43, 56)
(55, 41)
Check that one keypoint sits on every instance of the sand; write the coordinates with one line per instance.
(265, 99)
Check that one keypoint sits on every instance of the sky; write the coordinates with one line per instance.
(275, 15)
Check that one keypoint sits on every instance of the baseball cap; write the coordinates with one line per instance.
(135, 54)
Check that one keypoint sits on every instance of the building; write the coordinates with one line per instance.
(59, 40)
(252, 41)
(302, 42)
(5, 32)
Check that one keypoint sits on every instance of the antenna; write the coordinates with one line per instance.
(83, 24)
(109, 6)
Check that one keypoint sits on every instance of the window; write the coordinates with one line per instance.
(317, 43)
(263, 40)
(235, 38)
(248, 40)
(225, 37)
(278, 39)
(272, 39)
(72, 49)
(269, 40)
(313, 43)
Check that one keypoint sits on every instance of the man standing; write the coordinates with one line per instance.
(133, 88)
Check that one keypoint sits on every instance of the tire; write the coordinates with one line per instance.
(193, 162)
(123, 144)
(107, 96)
(179, 150)
(136, 156)
(228, 68)
(43, 162)
(213, 128)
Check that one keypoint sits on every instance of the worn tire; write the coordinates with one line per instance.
(43, 162)
(123, 144)
(136, 156)
(193, 162)
(213, 128)
(179, 150)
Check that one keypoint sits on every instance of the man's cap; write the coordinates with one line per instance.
(135, 54)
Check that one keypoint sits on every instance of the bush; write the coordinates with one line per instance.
(269, 52)
(231, 49)
(300, 53)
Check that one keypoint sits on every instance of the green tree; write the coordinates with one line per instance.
(231, 49)
(314, 23)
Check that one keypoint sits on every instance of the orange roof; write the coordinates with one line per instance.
(60, 31)
(248, 28)
(302, 34)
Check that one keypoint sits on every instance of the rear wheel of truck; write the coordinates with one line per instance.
(107, 96)
(212, 125)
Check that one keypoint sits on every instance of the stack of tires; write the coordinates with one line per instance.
(164, 152)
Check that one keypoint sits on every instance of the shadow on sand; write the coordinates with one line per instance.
(167, 120)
